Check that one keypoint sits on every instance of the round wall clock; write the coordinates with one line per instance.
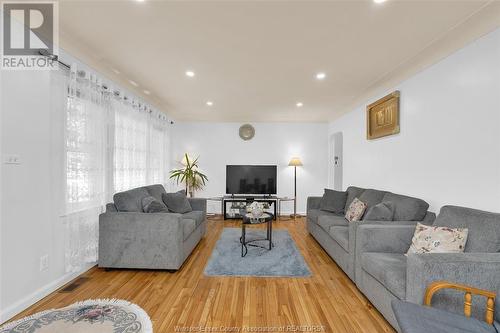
(247, 132)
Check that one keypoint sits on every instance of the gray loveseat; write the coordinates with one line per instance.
(384, 273)
(130, 238)
(338, 237)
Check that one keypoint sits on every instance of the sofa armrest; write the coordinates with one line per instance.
(479, 270)
(353, 238)
(140, 240)
(313, 203)
(384, 236)
(199, 204)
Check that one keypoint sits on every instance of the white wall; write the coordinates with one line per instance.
(448, 151)
(30, 223)
(218, 144)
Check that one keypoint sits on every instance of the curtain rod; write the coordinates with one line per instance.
(53, 57)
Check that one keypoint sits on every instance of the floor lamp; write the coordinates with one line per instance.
(295, 162)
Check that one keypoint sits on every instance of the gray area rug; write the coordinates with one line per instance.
(283, 260)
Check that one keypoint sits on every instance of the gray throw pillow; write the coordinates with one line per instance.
(177, 202)
(333, 201)
(151, 205)
(131, 200)
(384, 211)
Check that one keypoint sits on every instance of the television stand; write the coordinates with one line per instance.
(237, 203)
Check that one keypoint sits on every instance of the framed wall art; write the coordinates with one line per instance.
(382, 117)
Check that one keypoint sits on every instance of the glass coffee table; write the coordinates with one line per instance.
(249, 219)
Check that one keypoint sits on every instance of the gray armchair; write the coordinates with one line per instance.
(338, 237)
(384, 273)
(134, 239)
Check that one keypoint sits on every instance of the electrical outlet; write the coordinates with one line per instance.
(12, 159)
(44, 263)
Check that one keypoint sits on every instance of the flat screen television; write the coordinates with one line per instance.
(251, 179)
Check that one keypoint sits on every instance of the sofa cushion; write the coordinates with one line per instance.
(424, 319)
(371, 197)
(195, 215)
(177, 202)
(156, 191)
(434, 239)
(484, 227)
(111, 208)
(313, 214)
(188, 226)
(333, 201)
(131, 200)
(341, 235)
(328, 221)
(352, 192)
(151, 205)
(387, 268)
(407, 208)
(356, 210)
(384, 211)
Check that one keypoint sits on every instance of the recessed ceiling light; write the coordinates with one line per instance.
(210, 103)
(147, 92)
(320, 76)
(133, 83)
(379, 1)
(299, 104)
(140, 0)
(190, 74)
(115, 71)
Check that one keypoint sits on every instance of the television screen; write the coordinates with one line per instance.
(251, 179)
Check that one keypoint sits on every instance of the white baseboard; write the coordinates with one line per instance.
(42, 292)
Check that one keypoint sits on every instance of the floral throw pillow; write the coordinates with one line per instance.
(355, 211)
(429, 239)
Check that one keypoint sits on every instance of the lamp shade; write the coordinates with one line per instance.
(295, 161)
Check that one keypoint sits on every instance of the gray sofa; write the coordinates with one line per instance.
(384, 273)
(130, 238)
(338, 237)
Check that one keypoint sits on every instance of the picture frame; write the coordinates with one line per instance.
(382, 117)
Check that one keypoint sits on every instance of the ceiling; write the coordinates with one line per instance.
(255, 60)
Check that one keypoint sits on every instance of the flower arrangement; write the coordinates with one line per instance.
(256, 209)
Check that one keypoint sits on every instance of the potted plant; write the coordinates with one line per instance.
(192, 178)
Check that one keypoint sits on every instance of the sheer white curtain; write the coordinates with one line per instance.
(110, 142)
(140, 144)
(85, 165)
(131, 144)
(158, 150)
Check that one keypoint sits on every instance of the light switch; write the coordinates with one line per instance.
(12, 159)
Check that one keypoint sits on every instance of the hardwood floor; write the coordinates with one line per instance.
(187, 298)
